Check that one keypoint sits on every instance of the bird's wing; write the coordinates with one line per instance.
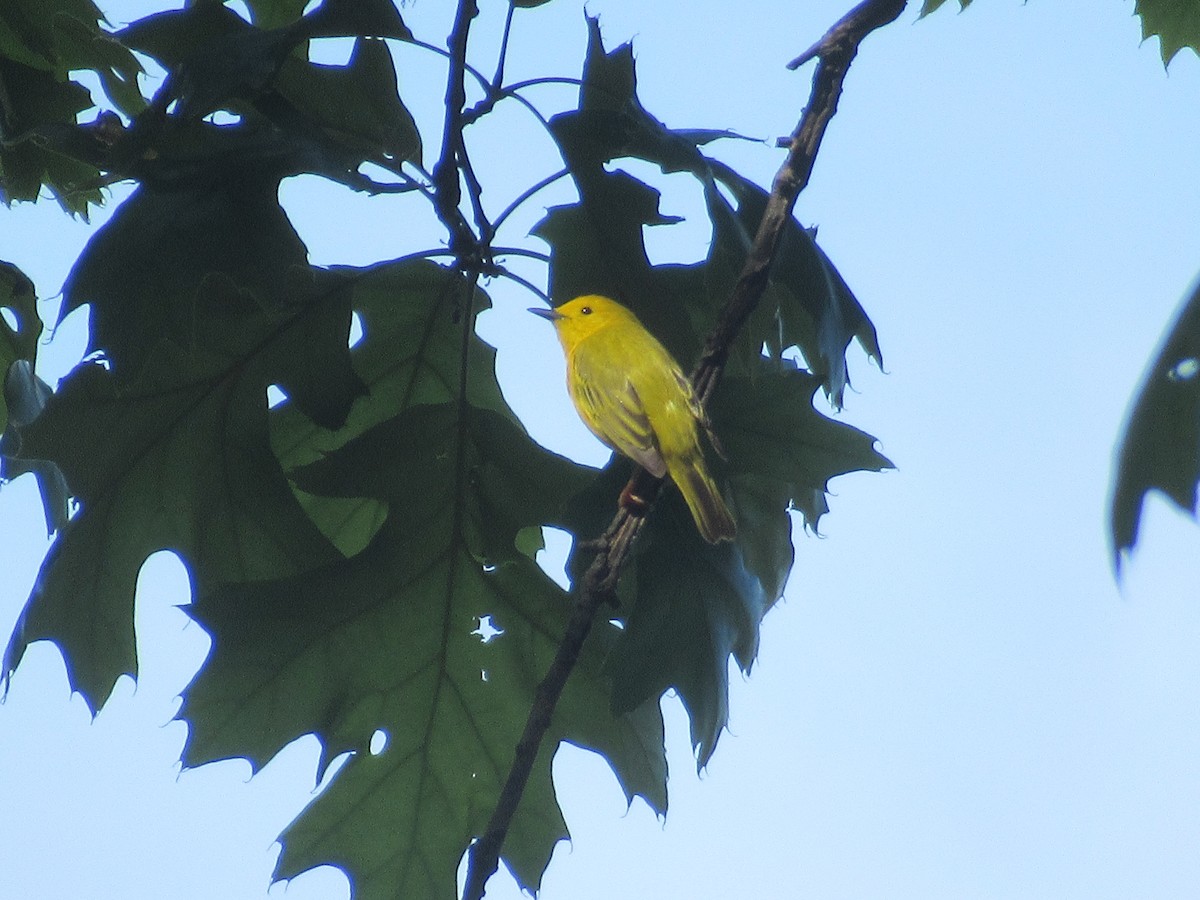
(615, 414)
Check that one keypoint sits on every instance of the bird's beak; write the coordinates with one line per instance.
(550, 314)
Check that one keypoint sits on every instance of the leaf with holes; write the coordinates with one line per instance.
(386, 640)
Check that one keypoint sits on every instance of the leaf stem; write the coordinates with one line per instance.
(526, 194)
(525, 283)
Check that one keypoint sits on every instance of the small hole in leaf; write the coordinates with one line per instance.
(379, 742)
(1184, 370)
(10, 319)
(357, 332)
(330, 51)
(487, 631)
(552, 558)
(483, 675)
(275, 396)
(617, 623)
(376, 172)
(222, 117)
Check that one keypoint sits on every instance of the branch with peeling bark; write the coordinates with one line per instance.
(834, 53)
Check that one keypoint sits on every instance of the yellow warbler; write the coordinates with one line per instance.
(634, 397)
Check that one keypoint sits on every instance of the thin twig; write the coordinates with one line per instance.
(834, 52)
(502, 272)
(526, 194)
(522, 251)
(447, 172)
(498, 78)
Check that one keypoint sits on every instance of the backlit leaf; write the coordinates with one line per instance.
(385, 641)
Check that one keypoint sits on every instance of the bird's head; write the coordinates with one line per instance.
(578, 318)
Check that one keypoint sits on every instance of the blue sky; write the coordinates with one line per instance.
(955, 699)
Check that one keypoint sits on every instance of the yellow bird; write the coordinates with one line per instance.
(634, 397)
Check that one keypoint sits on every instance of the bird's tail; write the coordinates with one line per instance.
(713, 518)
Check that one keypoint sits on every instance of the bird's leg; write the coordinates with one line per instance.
(635, 493)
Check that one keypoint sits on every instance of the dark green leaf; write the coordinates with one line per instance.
(807, 305)
(277, 13)
(770, 430)
(177, 459)
(23, 395)
(32, 101)
(1160, 449)
(62, 36)
(930, 5)
(326, 119)
(689, 605)
(26, 395)
(412, 315)
(385, 641)
(696, 605)
(19, 339)
(1176, 22)
(81, 44)
(174, 36)
(193, 337)
(355, 106)
(41, 43)
(596, 248)
(213, 270)
(351, 18)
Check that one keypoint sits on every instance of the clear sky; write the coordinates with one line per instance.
(955, 699)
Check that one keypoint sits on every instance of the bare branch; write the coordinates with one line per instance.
(834, 53)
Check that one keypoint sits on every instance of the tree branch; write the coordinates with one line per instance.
(834, 53)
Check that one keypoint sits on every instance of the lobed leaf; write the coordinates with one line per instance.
(807, 305)
(410, 354)
(688, 606)
(1176, 22)
(178, 460)
(165, 443)
(339, 116)
(387, 641)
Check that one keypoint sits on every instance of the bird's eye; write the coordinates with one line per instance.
(587, 311)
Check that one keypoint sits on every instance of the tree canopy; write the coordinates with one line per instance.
(348, 545)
